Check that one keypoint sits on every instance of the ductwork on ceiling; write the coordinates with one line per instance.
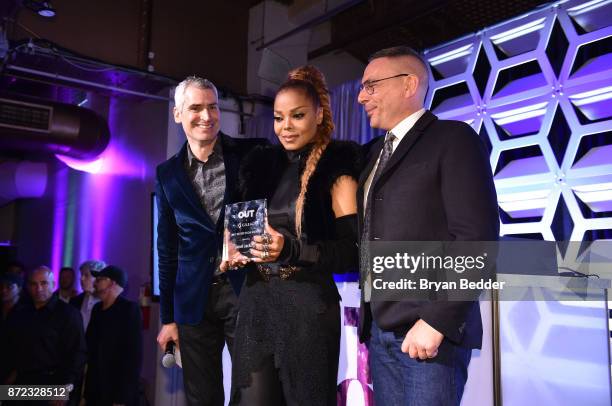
(34, 125)
(21, 179)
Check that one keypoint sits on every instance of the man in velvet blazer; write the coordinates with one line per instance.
(197, 299)
(434, 184)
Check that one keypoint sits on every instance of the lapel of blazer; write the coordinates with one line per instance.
(231, 160)
(373, 155)
(407, 143)
(186, 186)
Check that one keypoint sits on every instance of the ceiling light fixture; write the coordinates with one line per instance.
(46, 10)
(42, 8)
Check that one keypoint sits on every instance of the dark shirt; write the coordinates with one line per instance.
(114, 343)
(281, 210)
(208, 179)
(47, 344)
(4, 347)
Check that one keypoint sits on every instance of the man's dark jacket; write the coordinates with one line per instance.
(114, 354)
(188, 241)
(437, 186)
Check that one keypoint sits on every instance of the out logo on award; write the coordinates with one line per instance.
(245, 214)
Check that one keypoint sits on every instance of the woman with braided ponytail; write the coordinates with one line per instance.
(287, 341)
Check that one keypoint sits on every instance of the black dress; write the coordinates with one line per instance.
(295, 321)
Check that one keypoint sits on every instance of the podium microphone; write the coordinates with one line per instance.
(168, 360)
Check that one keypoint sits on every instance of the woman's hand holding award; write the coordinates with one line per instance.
(243, 221)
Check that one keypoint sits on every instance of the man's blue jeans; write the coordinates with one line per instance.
(402, 381)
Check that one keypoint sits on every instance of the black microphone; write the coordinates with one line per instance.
(168, 360)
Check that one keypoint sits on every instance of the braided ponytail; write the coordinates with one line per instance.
(312, 81)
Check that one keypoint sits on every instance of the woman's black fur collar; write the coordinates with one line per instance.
(263, 167)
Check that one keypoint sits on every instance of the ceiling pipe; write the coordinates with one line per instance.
(28, 124)
(82, 82)
(53, 78)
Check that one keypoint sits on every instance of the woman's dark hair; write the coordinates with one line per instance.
(310, 80)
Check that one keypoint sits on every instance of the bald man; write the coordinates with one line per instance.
(426, 180)
(46, 338)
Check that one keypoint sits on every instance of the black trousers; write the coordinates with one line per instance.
(202, 347)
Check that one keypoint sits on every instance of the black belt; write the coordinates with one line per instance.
(284, 271)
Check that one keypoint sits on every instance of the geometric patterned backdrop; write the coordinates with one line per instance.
(538, 89)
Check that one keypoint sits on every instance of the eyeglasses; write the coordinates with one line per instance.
(369, 85)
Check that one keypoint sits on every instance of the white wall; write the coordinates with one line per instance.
(268, 20)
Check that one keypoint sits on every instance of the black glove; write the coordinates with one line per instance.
(338, 255)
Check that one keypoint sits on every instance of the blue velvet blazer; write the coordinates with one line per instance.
(188, 241)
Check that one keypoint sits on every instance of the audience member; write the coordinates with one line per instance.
(67, 279)
(16, 267)
(45, 337)
(114, 342)
(10, 289)
(86, 300)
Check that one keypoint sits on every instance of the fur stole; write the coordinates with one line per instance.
(263, 167)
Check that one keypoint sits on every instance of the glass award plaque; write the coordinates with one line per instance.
(243, 220)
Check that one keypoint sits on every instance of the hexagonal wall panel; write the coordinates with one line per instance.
(541, 82)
